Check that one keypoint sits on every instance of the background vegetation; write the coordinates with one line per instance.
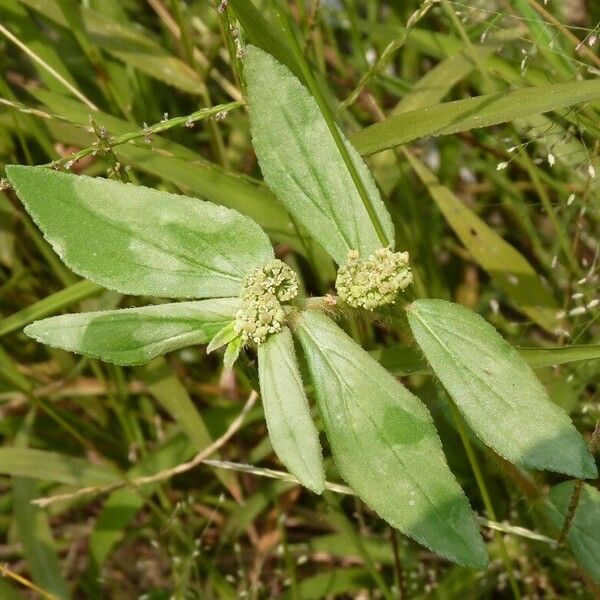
(120, 89)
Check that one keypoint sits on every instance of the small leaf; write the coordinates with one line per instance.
(293, 434)
(224, 336)
(302, 164)
(385, 445)
(137, 240)
(496, 391)
(132, 336)
(232, 353)
(584, 534)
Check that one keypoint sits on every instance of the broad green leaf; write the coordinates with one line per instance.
(205, 180)
(471, 113)
(132, 336)
(302, 165)
(584, 535)
(496, 391)
(51, 466)
(509, 268)
(293, 434)
(137, 240)
(385, 445)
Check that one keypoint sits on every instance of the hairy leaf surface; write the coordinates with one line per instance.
(137, 240)
(132, 336)
(293, 434)
(496, 391)
(302, 164)
(385, 444)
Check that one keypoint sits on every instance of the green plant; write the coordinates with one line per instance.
(140, 241)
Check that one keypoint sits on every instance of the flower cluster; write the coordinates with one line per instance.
(373, 281)
(264, 290)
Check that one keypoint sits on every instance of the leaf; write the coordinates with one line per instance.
(472, 113)
(132, 336)
(293, 434)
(302, 165)
(262, 34)
(222, 337)
(52, 303)
(232, 353)
(509, 268)
(538, 358)
(52, 466)
(132, 45)
(584, 535)
(496, 391)
(35, 534)
(137, 240)
(385, 445)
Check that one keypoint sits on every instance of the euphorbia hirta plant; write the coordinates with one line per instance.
(233, 292)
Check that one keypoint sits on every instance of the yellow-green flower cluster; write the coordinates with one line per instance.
(373, 281)
(264, 290)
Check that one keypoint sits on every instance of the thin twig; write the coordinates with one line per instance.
(343, 489)
(6, 572)
(161, 475)
(147, 132)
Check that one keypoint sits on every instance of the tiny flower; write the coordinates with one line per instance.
(374, 281)
(264, 290)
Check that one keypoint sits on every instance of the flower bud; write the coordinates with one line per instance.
(263, 291)
(374, 281)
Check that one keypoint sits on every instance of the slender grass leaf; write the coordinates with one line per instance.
(538, 358)
(302, 165)
(406, 360)
(496, 391)
(293, 434)
(132, 336)
(584, 535)
(385, 445)
(51, 466)
(137, 240)
(510, 269)
(471, 113)
(34, 532)
(131, 45)
(48, 305)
